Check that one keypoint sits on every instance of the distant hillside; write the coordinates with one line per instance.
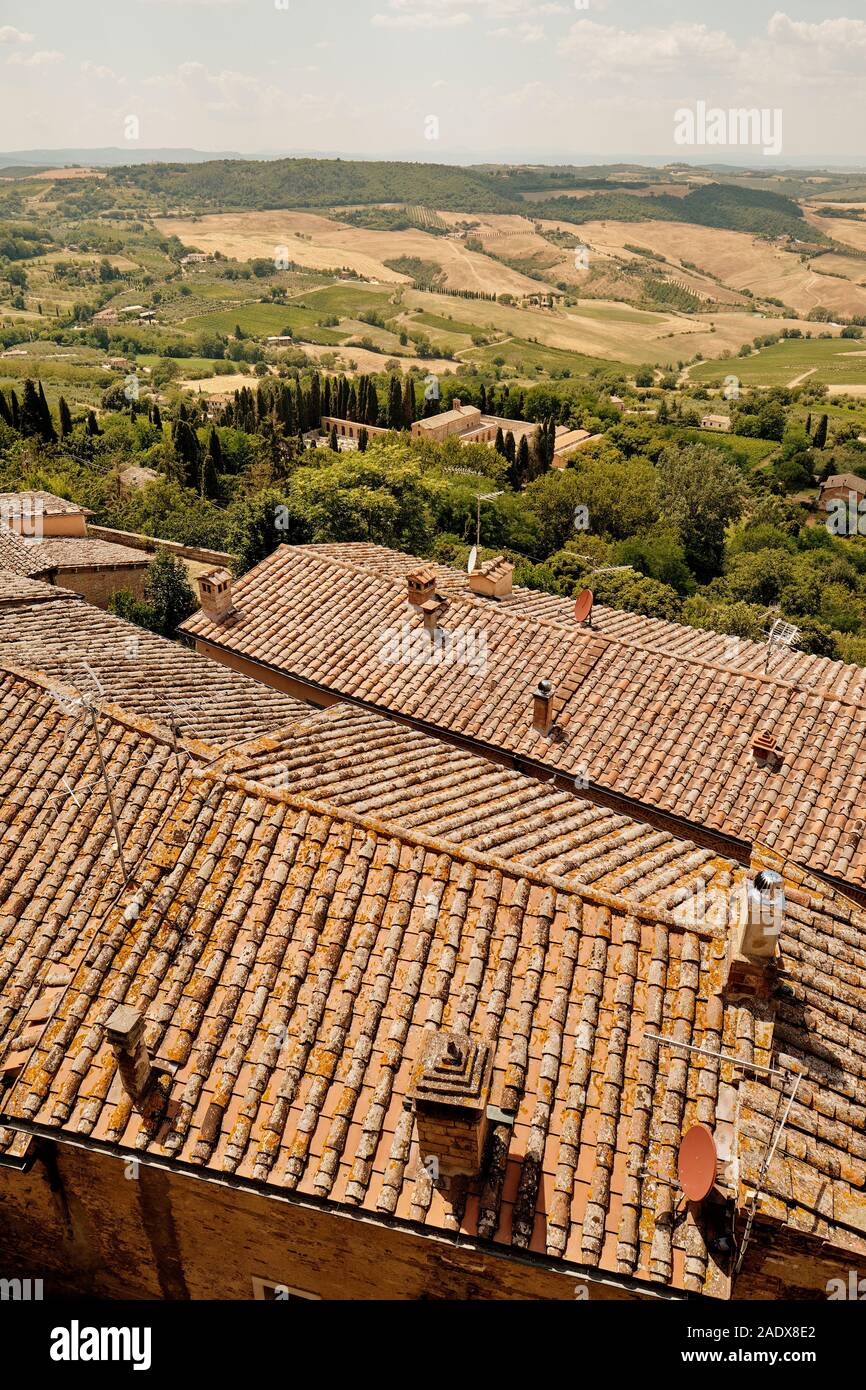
(324, 183)
(317, 183)
(714, 205)
(108, 155)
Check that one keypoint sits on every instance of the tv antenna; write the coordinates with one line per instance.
(781, 634)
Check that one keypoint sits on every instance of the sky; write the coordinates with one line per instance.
(451, 80)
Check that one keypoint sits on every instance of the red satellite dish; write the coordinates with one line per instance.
(583, 605)
(696, 1163)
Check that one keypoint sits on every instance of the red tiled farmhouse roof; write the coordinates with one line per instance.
(661, 731)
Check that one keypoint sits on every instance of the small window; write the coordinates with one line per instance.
(272, 1291)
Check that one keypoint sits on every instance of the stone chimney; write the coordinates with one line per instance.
(421, 585)
(450, 1093)
(756, 935)
(542, 707)
(493, 578)
(125, 1032)
(215, 594)
(456, 404)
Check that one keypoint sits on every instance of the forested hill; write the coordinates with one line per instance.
(713, 205)
(325, 183)
(317, 183)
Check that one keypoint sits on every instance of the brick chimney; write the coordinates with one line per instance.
(450, 1093)
(766, 752)
(125, 1032)
(215, 594)
(456, 404)
(493, 578)
(432, 611)
(755, 944)
(542, 707)
(421, 585)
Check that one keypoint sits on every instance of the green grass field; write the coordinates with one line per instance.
(528, 360)
(838, 362)
(756, 450)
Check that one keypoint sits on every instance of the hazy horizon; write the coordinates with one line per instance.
(453, 81)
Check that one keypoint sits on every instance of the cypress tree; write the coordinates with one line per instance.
(821, 433)
(510, 447)
(31, 411)
(352, 412)
(92, 424)
(326, 397)
(333, 440)
(363, 439)
(395, 405)
(521, 470)
(483, 399)
(157, 418)
(5, 411)
(15, 410)
(372, 414)
(408, 403)
(49, 433)
(65, 418)
(499, 445)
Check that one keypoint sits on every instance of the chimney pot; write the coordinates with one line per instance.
(125, 1033)
(432, 611)
(756, 937)
(542, 706)
(421, 585)
(215, 594)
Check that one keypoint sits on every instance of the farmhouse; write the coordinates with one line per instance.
(842, 485)
(719, 423)
(460, 419)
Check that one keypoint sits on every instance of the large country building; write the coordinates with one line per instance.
(723, 742)
(293, 1023)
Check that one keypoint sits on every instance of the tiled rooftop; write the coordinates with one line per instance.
(688, 643)
(391, 773)
(666, 731)
(48, 503)
(36, 557)
(52, 631)
(289, 957)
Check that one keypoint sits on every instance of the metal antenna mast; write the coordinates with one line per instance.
(91, 709)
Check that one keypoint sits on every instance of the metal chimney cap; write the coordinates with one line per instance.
(767, 880)
(545, 687)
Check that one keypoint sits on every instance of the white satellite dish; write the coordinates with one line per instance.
(473, 556)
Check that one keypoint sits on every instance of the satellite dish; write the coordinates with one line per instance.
(583, 606)
(473, 556)
(696, 1163)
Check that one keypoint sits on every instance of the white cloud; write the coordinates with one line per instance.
(212, 3)
(101, 72)
(43, 57)
(525, 33)
(450, 14)
(9, 34)
(602, 49)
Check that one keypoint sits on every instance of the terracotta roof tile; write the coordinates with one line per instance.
(289, 954)
(50, 630)
(668, 730)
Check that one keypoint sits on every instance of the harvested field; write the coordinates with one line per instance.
(321, 244)
(740, 261)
